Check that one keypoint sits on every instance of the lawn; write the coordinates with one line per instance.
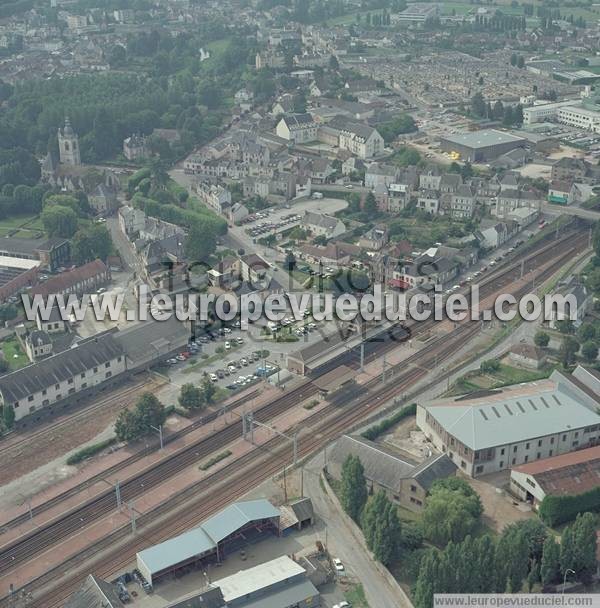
(356, 596)
(22, 226)
(504, 376)
(13, 353)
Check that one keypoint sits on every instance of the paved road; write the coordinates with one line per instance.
(342, 543)
(587, 214)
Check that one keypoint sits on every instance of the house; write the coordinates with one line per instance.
(404, 481)
(320, 224)
(527, 355)
(297, 128)
(136, 147)
(427, 270)
(54, 323)
(103, 199)
(510, 200)
(430, 179)
(237, 212)
(580, 193)
(358, 138)
(503, 428)
(380, 174)
(450, 182)
(569, 474)
(216, 197)
(131, 220)
(494, 235)
(558, 192)
(462, 205)
(37, 345)
(374, 239)
(574, 287)
(428, 201)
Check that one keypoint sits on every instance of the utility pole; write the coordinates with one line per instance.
(118, 493)
(132, 516)
(159, 430)
(362, 356)
(383, 370)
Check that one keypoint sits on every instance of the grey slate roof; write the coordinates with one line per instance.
(95, 593)
(303, 509)
(89, 353)
(437, 467)
(379, 465)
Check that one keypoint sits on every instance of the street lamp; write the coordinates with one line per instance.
(565, 578)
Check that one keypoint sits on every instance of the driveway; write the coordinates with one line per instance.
(342, 543)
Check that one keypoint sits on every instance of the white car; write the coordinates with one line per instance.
(343, 604)
(214, 377)
(227, 345)
(337, 564)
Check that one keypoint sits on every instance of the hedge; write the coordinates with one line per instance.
(556, 510)
(377, 429)
(213, 461)
(90, 450)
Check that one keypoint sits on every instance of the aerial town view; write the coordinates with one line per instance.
(299, 303)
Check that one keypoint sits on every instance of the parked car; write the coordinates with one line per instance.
(338, 565)
(227, 345)
(214, 377)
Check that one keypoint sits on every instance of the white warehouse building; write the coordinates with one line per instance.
(500, 429)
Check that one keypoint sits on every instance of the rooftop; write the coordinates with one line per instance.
(483, 138)
(572, 473)
(517, 413)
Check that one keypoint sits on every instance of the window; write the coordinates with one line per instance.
(70, 381)
(551, 440)
(530, 482)
(83, 375)
(95, 370)
(527, 446)
(30, 398)
(502, 464)
(16, 404)
(514, 461)
(539, 455)
(119, 359)
(575, 444)
(84, 385)
(514, 449)
(57, 386)
(44, 392)
(576, 434)
(550, 453)
(107, 364)
(502, 452)
(463, 464)
(413, 488)
(526, 457)
(479, 469)
(539, 444)
(564, 438)
(71, 391)
(108, 374)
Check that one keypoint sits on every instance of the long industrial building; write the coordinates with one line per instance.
(500, 429)
(481, 146)
(570, 113)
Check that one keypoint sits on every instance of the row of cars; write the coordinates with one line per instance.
(232, 366)
(268, 226)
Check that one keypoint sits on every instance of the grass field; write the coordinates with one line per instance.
(505, 375)
(356, 597)
(13, 354)
(21, 226)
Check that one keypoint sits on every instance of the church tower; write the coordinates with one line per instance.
(68, 145)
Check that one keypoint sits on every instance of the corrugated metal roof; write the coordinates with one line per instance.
(176, 550)
(205, 537)
(95, 593)
(236, 516)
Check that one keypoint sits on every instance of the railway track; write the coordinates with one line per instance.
(354, 413)
(331, 421)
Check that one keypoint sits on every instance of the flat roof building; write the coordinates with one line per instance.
(494, 430)
(480, 146)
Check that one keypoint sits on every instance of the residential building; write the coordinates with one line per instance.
(104, 199)
(87, 364)
(320, 224)
(297, 128)
(404, 481)
(216, 197)
(573, 288)
(37, 345)
(501, 429)
(136, 147)
(85, 279)
(462, 204)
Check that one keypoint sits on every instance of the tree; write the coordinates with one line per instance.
(333, 63)
(589, 351)
(370, 206)
(127, 426)
(386, 538)
(290, 261)
(586, 331)
(452, 511)
(478, 106)
(565, 326)
(578, 547)
(151, 412)
(428, 576)
(541, 339)
(208, 389)
(191, 397)
(8, 415)
(567, 351)
(91, 243)
(59, 221)
(489, 366)
(353, 487)
(201, 242)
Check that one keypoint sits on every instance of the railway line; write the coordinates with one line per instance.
(352, 414)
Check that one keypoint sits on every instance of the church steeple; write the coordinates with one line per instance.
(68, 145)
